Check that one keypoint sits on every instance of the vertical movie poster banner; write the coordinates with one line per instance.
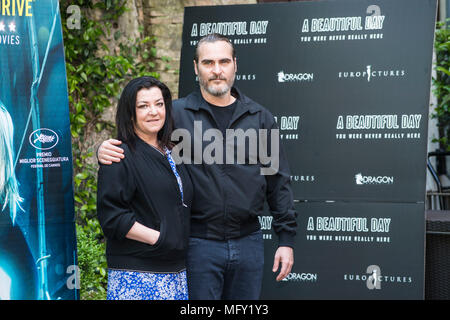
(349, 87)
(37, 231)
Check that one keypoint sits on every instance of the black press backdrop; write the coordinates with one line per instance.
(349, 83)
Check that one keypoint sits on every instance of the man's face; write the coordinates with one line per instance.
(216, 68)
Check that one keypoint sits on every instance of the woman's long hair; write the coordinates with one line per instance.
(9, 187)
(126, 112)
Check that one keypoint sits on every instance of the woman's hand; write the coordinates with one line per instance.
(141, 233)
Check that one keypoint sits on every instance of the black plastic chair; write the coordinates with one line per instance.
(441, 168)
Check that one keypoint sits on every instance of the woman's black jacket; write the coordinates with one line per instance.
(143, 188)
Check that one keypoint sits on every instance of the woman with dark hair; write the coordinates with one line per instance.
(143, 201)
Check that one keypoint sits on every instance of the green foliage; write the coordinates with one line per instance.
(95, 76)
(92, 263)
(442, 83)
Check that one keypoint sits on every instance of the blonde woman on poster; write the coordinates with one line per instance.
(17, 268)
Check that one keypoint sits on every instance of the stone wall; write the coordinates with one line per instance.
(163, 20)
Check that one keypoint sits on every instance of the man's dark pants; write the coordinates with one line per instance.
(226, 270)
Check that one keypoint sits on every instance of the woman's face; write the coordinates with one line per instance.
(150, 113)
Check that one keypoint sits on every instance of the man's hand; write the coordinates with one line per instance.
(285, 256)
(108, 152)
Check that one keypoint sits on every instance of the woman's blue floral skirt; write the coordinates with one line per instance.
(135, 285)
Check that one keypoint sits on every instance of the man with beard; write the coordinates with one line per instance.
(226, 250)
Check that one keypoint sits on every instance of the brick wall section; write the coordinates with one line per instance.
(164, 21)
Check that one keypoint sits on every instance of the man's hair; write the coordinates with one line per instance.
(9, 186)
(213, 37)
(126, 111)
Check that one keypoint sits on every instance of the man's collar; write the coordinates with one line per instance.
(243, 103)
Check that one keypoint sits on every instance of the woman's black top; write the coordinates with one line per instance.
(143, 188)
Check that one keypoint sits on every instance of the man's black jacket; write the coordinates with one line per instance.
(228, 198)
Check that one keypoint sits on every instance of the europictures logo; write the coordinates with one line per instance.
(369, 73)
(372, 180)
(374, 278)
(245, 77)
(43, 139)
(240, 77)
(295, 77)
(303, 178)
